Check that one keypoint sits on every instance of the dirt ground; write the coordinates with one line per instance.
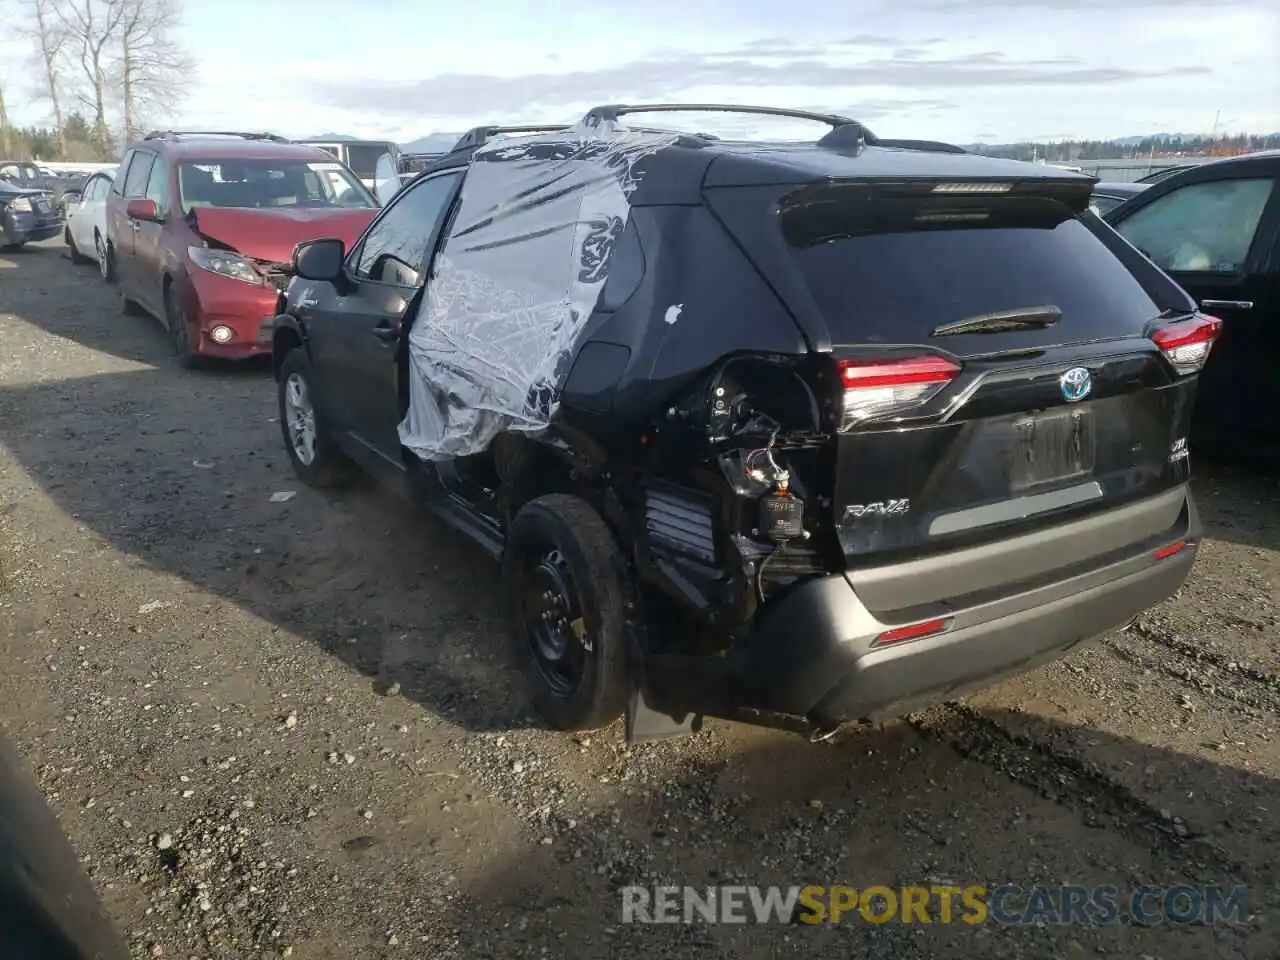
(288, 728)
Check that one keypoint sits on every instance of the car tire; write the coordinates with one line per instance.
(76, 255)
(565, 577)
(316, 458)
(106, 258)
(175, 319)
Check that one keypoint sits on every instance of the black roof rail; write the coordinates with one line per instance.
(609, 112)
(476, 136)
(845, 131)
(197, 134)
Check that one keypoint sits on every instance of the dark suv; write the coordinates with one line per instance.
(1215, 228)
(789, 433)
(65, 189)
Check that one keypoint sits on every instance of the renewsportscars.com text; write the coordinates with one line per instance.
(972, 904)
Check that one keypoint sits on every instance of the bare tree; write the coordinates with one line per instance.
(4, 124)
(4, 112)
(91, 27)
(50, 34)
(152, 69)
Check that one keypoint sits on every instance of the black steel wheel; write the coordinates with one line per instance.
(565, 575)
(554, 627)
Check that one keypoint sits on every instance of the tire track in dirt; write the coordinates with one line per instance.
(1238, 686)
(1075, 783)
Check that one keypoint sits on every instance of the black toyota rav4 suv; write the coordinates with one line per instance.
(794, 433)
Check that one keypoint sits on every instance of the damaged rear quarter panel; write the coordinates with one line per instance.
(700, 301)
(518, 281)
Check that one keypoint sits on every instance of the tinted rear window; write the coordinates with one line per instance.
(363, 159)
(898, 277)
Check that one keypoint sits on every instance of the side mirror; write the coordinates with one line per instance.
(140, 208)
(319, 259)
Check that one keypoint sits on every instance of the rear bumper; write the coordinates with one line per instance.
(815, 652)
(29, 227)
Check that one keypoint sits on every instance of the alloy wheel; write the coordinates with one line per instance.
(104, 264)
(300, 418)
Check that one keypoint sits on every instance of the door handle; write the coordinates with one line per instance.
(387, 332)
(1227, 304)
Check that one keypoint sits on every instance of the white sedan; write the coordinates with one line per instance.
(87, 223)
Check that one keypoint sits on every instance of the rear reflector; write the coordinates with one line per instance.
(1170, 549)
(913, 632)
(874, 388)
(1187, 343)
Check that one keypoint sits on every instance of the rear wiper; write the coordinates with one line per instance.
(1024, 318)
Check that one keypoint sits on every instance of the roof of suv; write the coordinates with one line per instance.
(848, 151)
(1260, 158)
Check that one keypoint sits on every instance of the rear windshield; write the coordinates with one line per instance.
(892, 271)
(270, 184)
(363, 158)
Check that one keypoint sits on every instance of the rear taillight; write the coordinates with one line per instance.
(1187, 342)
(876, 388)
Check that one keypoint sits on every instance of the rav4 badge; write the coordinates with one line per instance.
(881, 508)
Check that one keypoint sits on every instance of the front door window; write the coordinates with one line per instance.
(1200, 228)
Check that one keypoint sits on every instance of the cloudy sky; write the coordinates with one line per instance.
(963, 70)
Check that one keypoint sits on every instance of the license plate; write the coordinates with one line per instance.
(1051, 447)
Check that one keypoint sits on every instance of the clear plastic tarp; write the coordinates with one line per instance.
(516, 281)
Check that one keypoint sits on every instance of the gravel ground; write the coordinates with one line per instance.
(287, 728)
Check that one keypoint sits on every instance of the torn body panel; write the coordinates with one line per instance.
(515, 283)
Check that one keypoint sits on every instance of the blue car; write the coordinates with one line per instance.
(27, 216)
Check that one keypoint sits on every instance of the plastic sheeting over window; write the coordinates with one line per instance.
(515, 283)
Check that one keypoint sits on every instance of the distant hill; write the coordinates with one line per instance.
(432, 143)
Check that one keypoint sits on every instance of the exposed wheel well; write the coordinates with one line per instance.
(528, 469)
(282, 341)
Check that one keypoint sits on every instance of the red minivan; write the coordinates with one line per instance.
(201, 229)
